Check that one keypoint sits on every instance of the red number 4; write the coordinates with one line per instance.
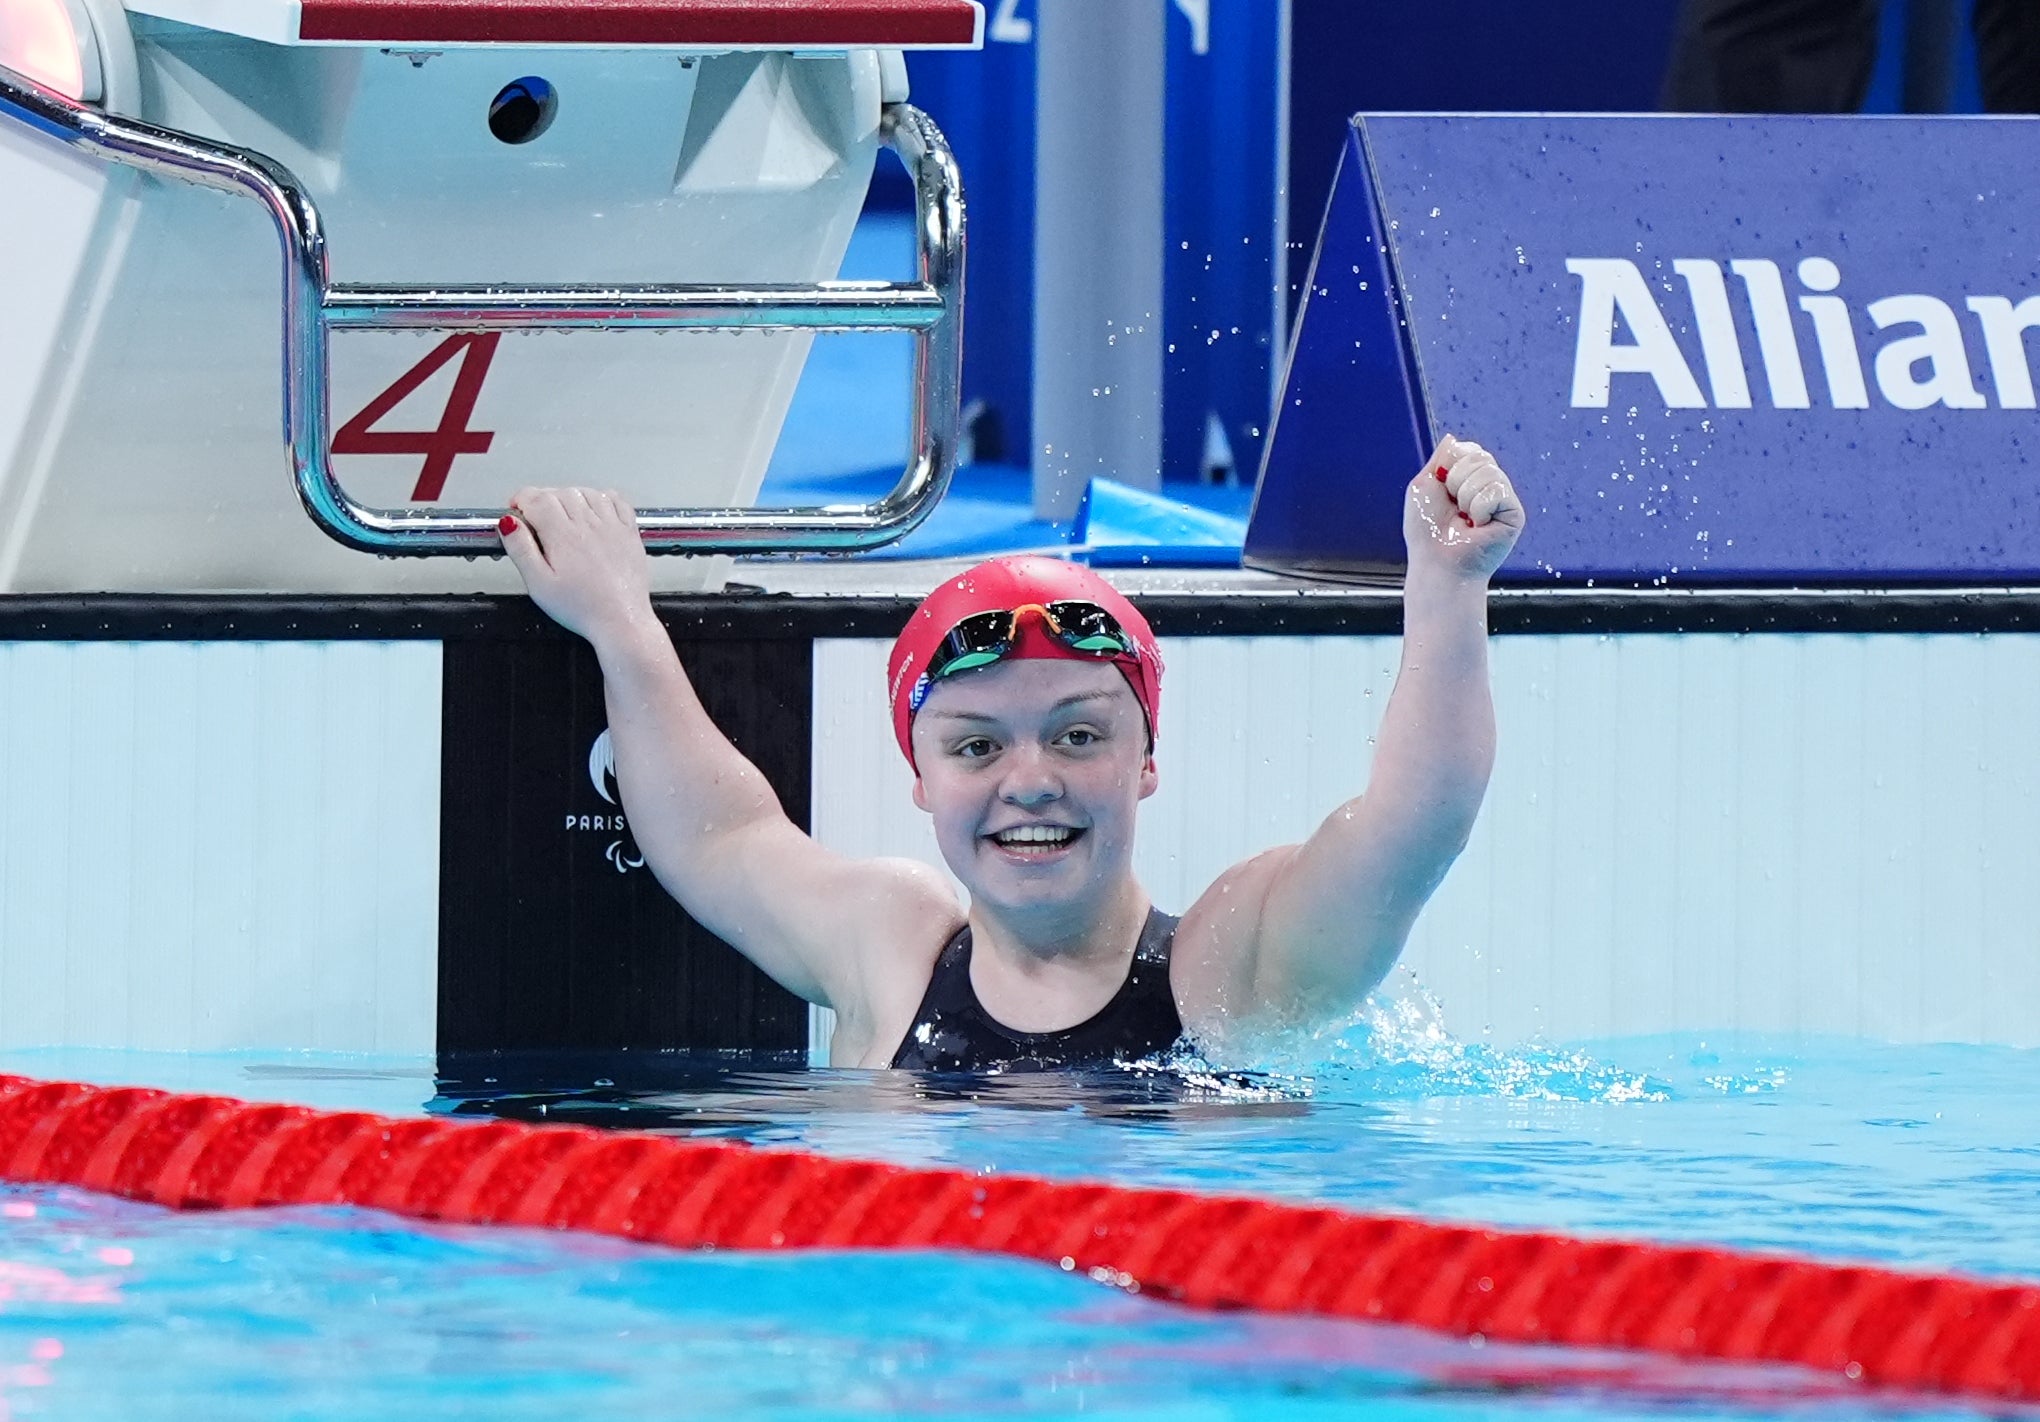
(453, 438)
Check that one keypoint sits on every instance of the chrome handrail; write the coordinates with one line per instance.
(931, 308)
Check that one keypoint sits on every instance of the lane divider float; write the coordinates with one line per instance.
(1882, 1327)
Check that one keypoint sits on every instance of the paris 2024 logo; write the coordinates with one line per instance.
(622, 851)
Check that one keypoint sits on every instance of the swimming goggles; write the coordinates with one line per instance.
(987, 637)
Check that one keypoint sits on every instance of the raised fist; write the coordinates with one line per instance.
(1462, 515)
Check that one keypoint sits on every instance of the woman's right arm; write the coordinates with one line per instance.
(709, 824)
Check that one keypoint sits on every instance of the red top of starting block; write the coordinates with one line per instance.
(681, 24)
(748, 24)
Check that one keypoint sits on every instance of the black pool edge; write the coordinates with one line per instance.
(753, 615)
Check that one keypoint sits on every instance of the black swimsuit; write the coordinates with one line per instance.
(953, 1032)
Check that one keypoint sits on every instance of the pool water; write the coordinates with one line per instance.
(1924, 1157)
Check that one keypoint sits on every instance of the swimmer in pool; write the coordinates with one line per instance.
(1024, 695)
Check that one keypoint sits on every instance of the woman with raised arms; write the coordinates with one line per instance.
(1024, 695)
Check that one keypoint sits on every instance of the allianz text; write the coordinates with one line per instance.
(1918, 360)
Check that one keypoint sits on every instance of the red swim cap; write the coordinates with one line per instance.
(1001, 585)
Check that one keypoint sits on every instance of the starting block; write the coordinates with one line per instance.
(464, 193)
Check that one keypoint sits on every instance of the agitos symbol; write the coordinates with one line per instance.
(453, 438)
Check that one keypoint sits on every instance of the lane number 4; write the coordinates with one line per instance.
(440, 446)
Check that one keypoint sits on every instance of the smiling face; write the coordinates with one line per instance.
(1033, 770)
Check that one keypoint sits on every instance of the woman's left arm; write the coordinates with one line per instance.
(1304, 932)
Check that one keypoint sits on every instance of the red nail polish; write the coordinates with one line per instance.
(1466, 519)
(506, 525)
(1441, 473)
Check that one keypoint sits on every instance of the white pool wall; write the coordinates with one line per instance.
(218, 846)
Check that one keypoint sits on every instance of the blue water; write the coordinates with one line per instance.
(1919, 1156)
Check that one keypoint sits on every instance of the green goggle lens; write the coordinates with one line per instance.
(969, 661)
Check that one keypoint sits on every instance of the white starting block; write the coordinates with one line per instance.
(503, 186)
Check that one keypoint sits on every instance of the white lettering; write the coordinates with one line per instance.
(1922, 360)
(1776, 342)
(1198, 13)
(1008, 27)
(1939, 345)
(1609, 285)
(1835, 333)
(605, 823)
(2004, 337)
(1716, 324)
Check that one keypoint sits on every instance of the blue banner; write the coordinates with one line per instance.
(1707, 349)
(1221, 268)
(1220, 259)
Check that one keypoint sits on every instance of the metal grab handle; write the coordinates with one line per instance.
(931, 308)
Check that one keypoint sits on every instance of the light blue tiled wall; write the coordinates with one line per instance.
(221, 845)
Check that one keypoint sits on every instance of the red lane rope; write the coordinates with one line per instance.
(1903, 1330)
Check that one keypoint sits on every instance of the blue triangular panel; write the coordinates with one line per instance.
(1350, 427)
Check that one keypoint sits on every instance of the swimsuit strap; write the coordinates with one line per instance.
(952, 1031)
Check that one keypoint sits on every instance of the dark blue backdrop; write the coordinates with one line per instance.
(1225, 193)
(1227, 199)
(1223, 91)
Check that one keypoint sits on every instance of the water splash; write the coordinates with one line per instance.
(1397, 1047)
